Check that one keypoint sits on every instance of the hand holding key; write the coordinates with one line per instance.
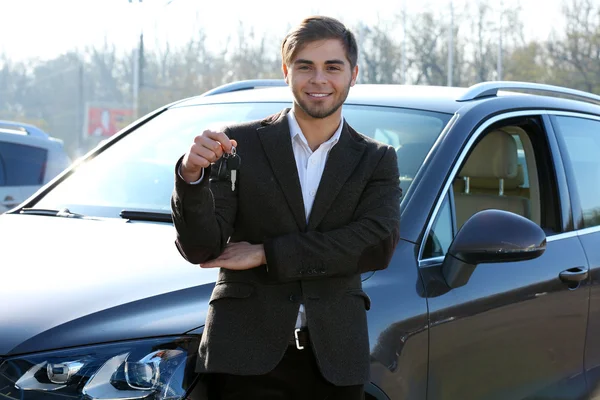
(207, 148)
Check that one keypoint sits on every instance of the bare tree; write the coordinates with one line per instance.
(381, 55)
(576, 57)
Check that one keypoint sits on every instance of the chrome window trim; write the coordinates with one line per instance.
(571, 114)
(431, 261)
(462, 156)
(587, 231)
(560, 236)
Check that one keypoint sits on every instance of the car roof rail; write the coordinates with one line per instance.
(488, 89)
(13, 131)
(24, 128)
(245, 85)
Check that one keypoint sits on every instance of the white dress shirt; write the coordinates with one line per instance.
(310, 166)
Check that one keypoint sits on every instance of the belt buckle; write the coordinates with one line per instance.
(296, 331)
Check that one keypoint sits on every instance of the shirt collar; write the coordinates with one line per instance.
(296, 131)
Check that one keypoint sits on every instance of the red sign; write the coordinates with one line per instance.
(106, 121)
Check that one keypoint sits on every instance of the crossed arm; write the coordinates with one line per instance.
(365, 244)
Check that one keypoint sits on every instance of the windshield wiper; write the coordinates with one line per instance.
(63, 212)
(134, 215)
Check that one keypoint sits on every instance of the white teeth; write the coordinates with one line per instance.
(318, 94)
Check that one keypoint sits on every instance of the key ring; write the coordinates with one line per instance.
(232, 154)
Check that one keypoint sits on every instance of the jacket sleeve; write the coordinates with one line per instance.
(365, 244)
(203, 215)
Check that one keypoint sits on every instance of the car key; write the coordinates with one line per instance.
(222, 172)
(233, 165)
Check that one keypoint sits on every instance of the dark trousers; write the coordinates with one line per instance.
(296, 377)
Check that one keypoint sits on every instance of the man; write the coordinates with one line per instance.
(315, 204)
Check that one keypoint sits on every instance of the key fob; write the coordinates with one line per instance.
(223, 171)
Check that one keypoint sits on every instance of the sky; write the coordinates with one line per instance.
(45, 29)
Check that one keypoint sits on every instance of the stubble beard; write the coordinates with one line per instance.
(320, 112)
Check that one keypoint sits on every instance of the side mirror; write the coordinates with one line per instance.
(491, 236)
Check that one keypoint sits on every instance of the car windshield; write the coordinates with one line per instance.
(137, 172)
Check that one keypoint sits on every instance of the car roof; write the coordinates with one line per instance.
(434, 98)
(442, 99)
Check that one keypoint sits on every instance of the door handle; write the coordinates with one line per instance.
(577, 274)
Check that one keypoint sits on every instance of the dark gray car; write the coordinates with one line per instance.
(492, 293)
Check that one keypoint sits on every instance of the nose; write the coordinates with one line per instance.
(319, 76)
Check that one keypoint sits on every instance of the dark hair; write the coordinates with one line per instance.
(316, 28)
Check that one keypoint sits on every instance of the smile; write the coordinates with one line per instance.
(318, 94)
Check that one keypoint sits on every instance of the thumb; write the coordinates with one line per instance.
(234, 143)
(209, 264)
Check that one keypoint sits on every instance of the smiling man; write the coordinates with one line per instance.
(312, 206)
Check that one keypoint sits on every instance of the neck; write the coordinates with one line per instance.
(317, 130)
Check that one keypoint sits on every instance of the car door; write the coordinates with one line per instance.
(516, 330)
(580, 139)
(23, 169)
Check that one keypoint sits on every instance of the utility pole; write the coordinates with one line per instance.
(361, 44)
(81, 110)
(403, 55)
(138, 66)
(137, 54)
(499, 66)
(451, 45)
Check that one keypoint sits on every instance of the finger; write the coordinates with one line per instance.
(210, 264)
(209, 144)
(222, 138)
(205, 153)
(234, 245)
(193, 162)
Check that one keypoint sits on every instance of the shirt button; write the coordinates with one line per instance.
(313, 161)
(312, 193)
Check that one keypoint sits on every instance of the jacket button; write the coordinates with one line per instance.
(321, 270)
(292, 298)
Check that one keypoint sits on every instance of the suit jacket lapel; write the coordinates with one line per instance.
(277, 144)
(341, 162)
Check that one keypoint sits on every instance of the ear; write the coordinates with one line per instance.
(284, 67)
(354, 75)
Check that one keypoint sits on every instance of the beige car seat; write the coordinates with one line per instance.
(491, 179)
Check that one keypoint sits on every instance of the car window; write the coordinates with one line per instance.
(442, 233)
(138, 171)
(24, 165)
(411, 132)
(2, 172)
(496, 174)
(582, 140)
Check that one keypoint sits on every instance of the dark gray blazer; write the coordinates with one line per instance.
(353, 228)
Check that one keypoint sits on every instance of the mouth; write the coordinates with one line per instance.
(318, 95)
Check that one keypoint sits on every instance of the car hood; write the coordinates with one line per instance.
(70, 282)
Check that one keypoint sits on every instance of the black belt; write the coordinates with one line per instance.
(301, 339)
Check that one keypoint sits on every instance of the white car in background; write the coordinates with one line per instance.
(27, 162)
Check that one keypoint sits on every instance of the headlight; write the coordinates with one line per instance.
(156, 369)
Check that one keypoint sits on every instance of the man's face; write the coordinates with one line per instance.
(320, 77)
